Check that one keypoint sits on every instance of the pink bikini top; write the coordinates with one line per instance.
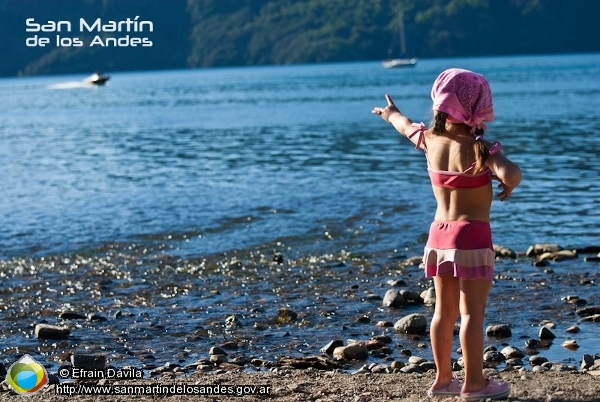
(447, 179)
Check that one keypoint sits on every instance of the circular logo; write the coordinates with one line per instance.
(26, 376)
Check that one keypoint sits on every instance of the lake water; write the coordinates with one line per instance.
(202, 164)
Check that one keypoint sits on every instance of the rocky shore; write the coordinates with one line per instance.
(351, 366)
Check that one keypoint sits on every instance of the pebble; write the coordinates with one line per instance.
(411, 368)
(411, 296)
(232, 322)
(215, 350)
(428, 297)
(218, 359)
(285, 316)
(537, 360)
(514, 361)
(393, 298)
(588, 311)
(592, 318)
(504, 252)
(557, 255)
(47, 331)
(573, 329)
(493, 356)
(511, 352)
(92, 362)
(412, 324)
(570, 344)
(95, 317)
(355, 351)
(374, 344)
(545, 333)
(541, 248)
(330, 347)
(499, 331)
(416, 360)
(71, 315)
(588, 361)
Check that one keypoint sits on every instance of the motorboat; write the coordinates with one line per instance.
(97, 79)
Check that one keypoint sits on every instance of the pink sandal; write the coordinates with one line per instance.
(452, 389)
(493, 390)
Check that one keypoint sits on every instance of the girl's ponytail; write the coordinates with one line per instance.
(480, 149)
(439, 122)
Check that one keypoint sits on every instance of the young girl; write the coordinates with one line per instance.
(459, 252)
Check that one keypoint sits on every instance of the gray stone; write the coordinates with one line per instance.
(232, 322)
(71, 315)
(215, 350)
(573, 329)
(510, 352)
(95, 317)
(537, 360)
(591, 318)
(330, 347)
(570, 344)
(217, 359)
(545, 333)
(412, 368)
(499, 331)
(591, 310)
(428, 297)
(493, 356)
(285, 316)
(355, 351)
(505, 252)
(411, 296)
(91, 362)
(558, 255)
(541, 248)
(416, 360)
(412, 324)
(513, 361)
(587, 361)
(393, 298)
(46, 331)
(379, 368)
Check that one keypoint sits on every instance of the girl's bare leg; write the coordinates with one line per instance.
(473, 297)
(447, 295)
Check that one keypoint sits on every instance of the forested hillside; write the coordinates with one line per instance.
(205, 33)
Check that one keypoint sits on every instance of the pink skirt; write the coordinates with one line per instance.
(462, 248)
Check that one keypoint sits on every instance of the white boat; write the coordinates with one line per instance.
(96, 79)
(401, 61)
(395, 63)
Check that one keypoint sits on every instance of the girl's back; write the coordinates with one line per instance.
(451, 158)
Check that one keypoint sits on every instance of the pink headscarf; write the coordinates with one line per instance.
(465, 96)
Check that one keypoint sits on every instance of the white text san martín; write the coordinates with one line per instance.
(97, 25)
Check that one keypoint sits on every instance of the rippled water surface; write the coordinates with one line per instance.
(157, 201)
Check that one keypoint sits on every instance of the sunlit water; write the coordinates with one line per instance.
(155, 195)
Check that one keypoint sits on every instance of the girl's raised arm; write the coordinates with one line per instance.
(391, 114)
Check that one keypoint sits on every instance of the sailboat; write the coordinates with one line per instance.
(403, 61)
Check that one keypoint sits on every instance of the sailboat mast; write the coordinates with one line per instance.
(402, 36)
